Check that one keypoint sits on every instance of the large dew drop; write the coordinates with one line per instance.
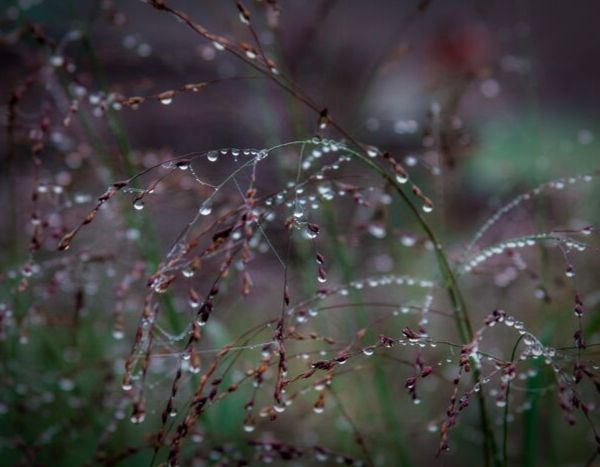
(401, 178)
(205, 209)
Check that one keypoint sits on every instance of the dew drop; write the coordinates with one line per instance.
(205, 209)
(537, 351)
(570, 272)
(528, 340)
(138, 204)
(368, 351)
(372, 151)
(66, 384)
(201, 322)
(401, 178)
(301, 318)
(212, 156)
(57, 61)
(377, 230)
(138, 418)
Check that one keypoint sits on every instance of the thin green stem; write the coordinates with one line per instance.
(384, 398)
(360, 440)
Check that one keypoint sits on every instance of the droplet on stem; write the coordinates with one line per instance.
(205, 209)
(138, 204)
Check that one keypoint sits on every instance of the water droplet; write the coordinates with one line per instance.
(57, 60)
(27, 270)
(377, 230)
(528, 340)
(537, 350)
(138, 418)
(372, 151)
(427, 207)
(138, 204)
(212, 156)
(410, 160)
(432, 427)
(201, 321)
(401, 178)
(66, 384)
(301, 318)
(249, 428)
(205, 209)
(368, 351)
(570, 272)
